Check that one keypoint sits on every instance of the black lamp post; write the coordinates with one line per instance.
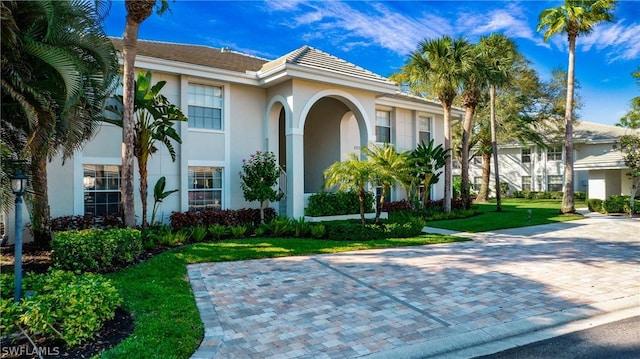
(18, 186)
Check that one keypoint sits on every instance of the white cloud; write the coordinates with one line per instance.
(622, 41)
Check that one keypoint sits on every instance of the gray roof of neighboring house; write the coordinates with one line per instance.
(607, 160)
(597, 132)
(305, 56)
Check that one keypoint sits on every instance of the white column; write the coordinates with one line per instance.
(295, 174)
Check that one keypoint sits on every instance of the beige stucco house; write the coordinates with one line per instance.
(599, 170)
(308, 107)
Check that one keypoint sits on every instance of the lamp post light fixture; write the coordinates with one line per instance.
(18, 186)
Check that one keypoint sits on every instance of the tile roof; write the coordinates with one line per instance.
(197, 55)
(307, 56)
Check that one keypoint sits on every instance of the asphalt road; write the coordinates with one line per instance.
(617, 340)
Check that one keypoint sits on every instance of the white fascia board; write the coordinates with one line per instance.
(408, 104)
(326, 76)
(206, 72)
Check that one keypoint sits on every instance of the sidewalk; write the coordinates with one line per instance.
(457, 300)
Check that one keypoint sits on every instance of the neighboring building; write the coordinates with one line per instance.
(308, 107)
(598, 169)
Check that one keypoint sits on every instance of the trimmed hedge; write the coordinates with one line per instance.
(353, 230)
(95, 250)
(62, 305)
(87, 221)
(338, 203)
(229, 218)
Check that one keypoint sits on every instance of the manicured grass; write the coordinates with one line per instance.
(514, 214)
(158, 294)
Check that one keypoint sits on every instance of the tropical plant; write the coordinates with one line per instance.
(440, 64)
(629, 145)
(155, 117)
(159, 194)
(391, 167)
(58, 68)
(258, 177)
(575, 17)
(499, 54)
(428, 161)
(632, 118)
(217, 231)
(351, 174)
(137, 12)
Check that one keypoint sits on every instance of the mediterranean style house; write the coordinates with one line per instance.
(598, 169)
(308, 107)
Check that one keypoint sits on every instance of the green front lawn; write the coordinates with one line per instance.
(514, 214)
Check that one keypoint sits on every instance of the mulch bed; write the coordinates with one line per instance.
(37, 259)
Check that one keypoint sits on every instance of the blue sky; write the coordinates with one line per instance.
(379, 35)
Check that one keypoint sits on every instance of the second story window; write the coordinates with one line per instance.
(554, 153)
(526, 155)
(205, 107)
(424, 129)
(383, 126)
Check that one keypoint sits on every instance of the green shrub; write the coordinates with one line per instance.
(317, 230)
(63, 305)
(182, 236)
(152, 235)
(301, 228)
(580, 195)
(218, 231)
(95, 250)
(595, 204)
(337, 203)
(616, 204)
(198, 233)
(279, 227)
(239, 231)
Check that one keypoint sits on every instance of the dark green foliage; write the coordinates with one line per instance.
(217, 231)
(246, 216)
(198, 233)
(354, 230)
(595, 204)
(95, 250)
(543, 195)
(239, 231)
(337, 203)
(86, 221)
(64, 305)
(153, 235)
(317, 230)
(301, 228)
(279, 227)
(616, 204)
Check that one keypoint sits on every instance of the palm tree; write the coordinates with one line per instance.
(440, 64)
(137, 12)
(575, 17)
(155, 117)
(351, 174)
(57, 71)
(391, 167)
(474, 83)
(498, 53)
(427, 161)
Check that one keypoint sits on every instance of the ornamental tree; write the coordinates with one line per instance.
(258, 177)
(629, 145)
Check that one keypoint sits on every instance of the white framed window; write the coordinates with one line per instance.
(525, 183)
(205, 107)
(554, 183)
(101, 189)
(525, 156)
(205, 188)
(554, 153)
(477, 183)
(424, 129)
(383, 126)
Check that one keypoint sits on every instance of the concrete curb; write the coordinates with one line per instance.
(501, 337)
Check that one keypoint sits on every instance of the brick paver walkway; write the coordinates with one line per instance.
(366, 302)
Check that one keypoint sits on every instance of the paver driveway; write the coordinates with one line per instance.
(381, 302)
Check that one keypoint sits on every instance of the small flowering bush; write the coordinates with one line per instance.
(258, 177)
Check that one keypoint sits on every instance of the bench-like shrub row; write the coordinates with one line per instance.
(337, 203)
(239, 217)
(95, 250)
(613, 204)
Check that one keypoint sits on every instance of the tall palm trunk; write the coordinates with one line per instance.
(483, 195)
(446, 106)
(567, 195)
(137, 12)
(144, 186)
(41, 221)
(361, 195)
(494, 146)
(466, 137)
